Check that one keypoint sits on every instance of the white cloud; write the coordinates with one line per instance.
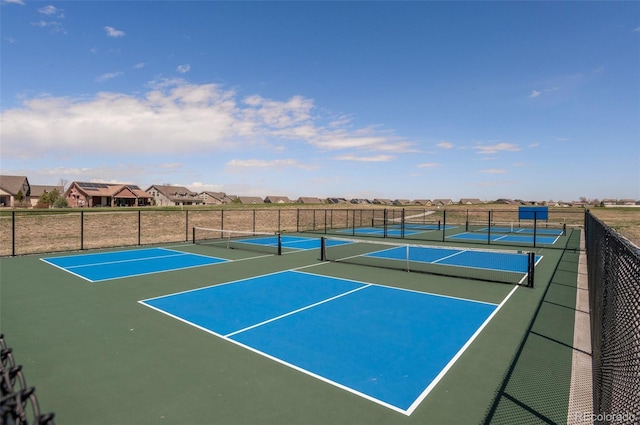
(55, 27)
(118, 123)
(636, 30)
(51, 11)
(494, 171)
(498, 147)
(112, 32)
(445, 145)
(20, 2)
(429, 165)
(108, 76)
(183, 69)
(377, 158)
(537, 93)
(139, 65)
(262, 163)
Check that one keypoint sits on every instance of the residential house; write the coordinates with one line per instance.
(308, 200)
(89, 194)
(424, 202)
(277, 200)
(336, 201)
(13, 189)
(165, 195)
(38, 190)
(382, 201)
(248, 200)
(214, 198)
(441, 202)
(470, 201)
(360, 201)
(401, 202)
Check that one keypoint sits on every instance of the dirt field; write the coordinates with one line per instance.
(38, 231)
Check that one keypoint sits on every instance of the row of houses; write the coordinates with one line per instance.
(17, 191)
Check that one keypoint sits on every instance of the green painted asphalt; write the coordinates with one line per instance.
(97, 356)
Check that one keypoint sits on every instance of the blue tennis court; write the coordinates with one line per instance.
(487, 260)
(390, 346)
(121, 264)
(510, 237)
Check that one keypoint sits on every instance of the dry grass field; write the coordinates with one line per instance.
(625, 221)
(38, 231)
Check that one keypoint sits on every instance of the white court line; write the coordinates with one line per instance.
(295, 311)
(455, 358)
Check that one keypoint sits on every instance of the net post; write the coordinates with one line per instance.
(531, 269)
(444, 224)
(323, 246)
(402, 216)
(354, 223)
(384, 222)
(279, 243)
(193, 235)
(564, 229)
(466, 223)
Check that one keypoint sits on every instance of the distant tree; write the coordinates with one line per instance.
(61, 202)
(49, 199)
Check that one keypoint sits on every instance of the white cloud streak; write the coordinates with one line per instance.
(183, 69)
(112, 32)
(108, 76)
(498, 147)
(376, 158)
(445, 145)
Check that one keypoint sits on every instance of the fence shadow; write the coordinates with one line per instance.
(536, 387)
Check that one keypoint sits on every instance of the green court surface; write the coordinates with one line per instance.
(96, 355)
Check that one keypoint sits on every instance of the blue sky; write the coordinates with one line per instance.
(530, 100)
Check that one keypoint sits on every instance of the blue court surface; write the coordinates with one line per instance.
(388, 345)
(511, 237)
(486, 260)
(120, 264)
(527, 230)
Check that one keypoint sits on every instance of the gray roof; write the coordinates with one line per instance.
(13, 184)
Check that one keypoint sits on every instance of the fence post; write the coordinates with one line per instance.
(81, 230)
(139, 227)
(186, 225)
(13, 233)
(489, 229)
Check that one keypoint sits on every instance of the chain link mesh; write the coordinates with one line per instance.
(614, 297)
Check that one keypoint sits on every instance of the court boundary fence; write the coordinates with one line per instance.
(24, 232)
(18, 401)
(613, 269)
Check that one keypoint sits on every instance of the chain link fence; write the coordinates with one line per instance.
(614, 297)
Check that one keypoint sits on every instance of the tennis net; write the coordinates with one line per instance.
(512, 267)
(270, 243)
